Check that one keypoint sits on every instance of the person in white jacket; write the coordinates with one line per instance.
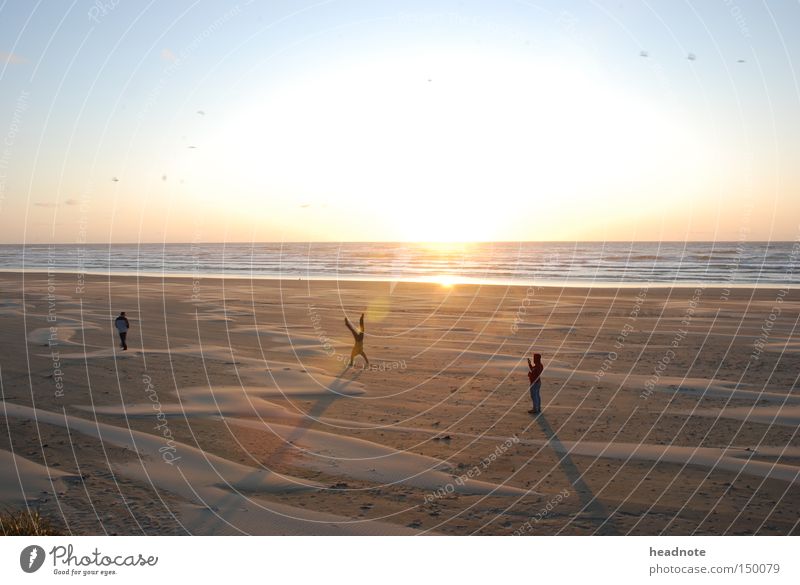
(122, 324)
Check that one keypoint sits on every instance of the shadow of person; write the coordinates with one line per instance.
(287, 449)
(312, 416)
(592, 509)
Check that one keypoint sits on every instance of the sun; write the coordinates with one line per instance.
(446, 280)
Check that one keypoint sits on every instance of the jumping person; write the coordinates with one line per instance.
(535, 370)
(358, 336)
(122, 326)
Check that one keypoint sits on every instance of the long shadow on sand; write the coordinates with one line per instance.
(287, 449)
(592, 509)
(313, 414)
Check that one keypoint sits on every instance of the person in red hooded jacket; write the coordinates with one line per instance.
(535, 370)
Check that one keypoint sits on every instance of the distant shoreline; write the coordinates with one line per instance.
(545, 284)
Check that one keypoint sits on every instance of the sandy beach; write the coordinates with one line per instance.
(665, 411)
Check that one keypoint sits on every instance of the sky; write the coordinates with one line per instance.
(192, 121)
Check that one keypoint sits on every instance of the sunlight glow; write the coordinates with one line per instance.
(448, 147)
(446, 280)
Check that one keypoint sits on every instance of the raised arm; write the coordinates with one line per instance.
(530, 365)
(361, 322)
(349, 326)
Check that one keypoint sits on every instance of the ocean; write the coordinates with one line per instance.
(773, 264)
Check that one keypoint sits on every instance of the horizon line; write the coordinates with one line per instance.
(401, 242)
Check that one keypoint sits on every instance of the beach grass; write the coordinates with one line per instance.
(26, 523)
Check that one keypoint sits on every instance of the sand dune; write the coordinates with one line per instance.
(784, 346)
(14, 308)
(161, 458)
(356, 458)
(24, 481)
(769, 415)
(708, 387)
(205, 402)
(323, 451)
(213, 318)
(43, 336)
(211, 482)
(237, 516)
(705, 457)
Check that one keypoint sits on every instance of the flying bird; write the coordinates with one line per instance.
(191, 147)
(163, 177)
(644, 54)
(201, 112)
(692, 57)
(741, 61)
(116, 180)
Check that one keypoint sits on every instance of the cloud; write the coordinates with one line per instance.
(48, 204)
(12, 58)
(168, 56)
